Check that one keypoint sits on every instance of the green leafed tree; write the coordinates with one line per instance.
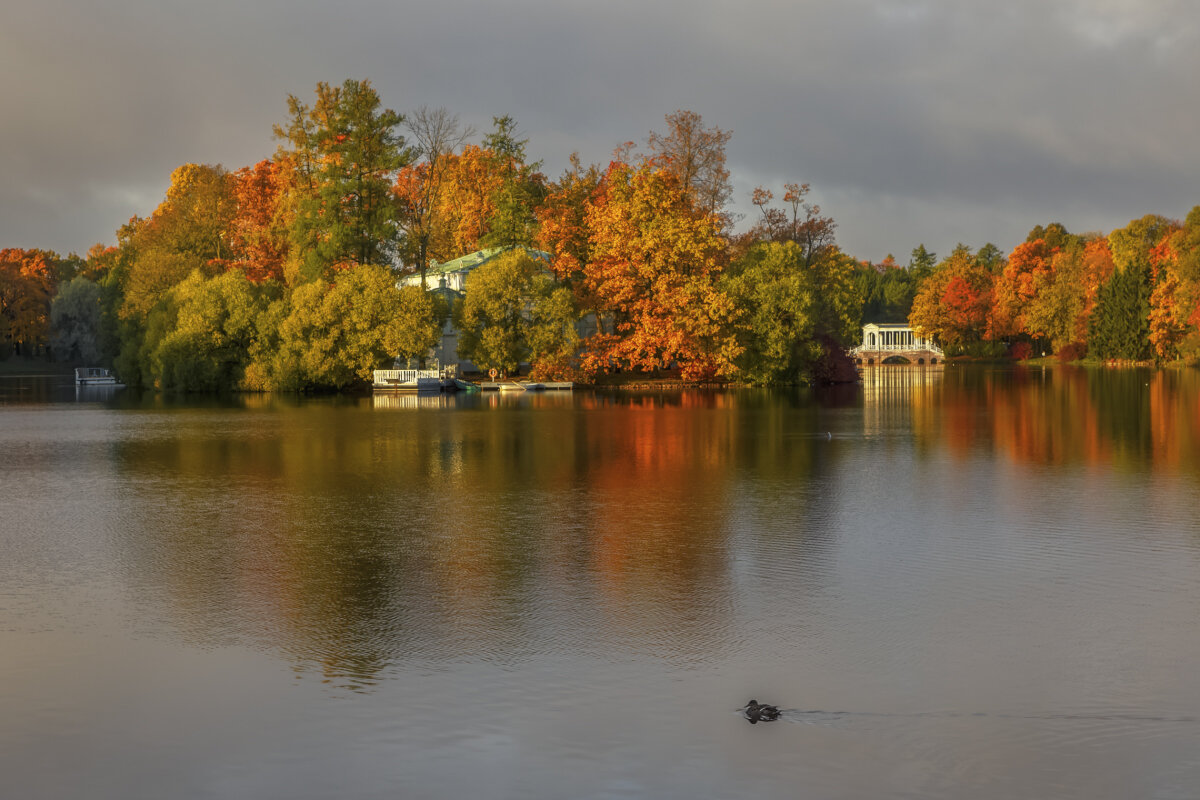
(77, 321)
(491, 318)
(200, 338)
(553, 334)
(791, 313)
(922, 263)
(344, 151)
(515, 312)
(521, 191)
(1120, 325)
(334, 336)
(778, 304)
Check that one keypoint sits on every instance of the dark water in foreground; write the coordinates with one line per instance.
(969, 583)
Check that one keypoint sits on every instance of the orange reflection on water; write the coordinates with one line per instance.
(1122, 418)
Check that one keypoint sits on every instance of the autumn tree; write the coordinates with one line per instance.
(1057, 299)
(1175, 299)
(1095, 268)
(1026, 276)
(952, 305)
(654, 263)
(695, 156)
(563, 228)
(184, 234)
(466, 203)
(1168, 317)
(799, 221)
(197, 211)
(344, 152)
(258, 228)
(28, 280)
(436, 135)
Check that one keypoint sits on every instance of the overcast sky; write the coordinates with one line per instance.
(915, 121)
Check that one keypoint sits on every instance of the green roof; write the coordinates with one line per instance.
(472, 260)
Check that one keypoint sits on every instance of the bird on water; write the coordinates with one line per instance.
(760, 712)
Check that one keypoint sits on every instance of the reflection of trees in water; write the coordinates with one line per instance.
(354, 538)
(1052, 415)
(17, 389)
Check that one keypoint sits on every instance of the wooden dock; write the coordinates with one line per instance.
(406, 380)
(527, 386)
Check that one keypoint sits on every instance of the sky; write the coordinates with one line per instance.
(915, 121)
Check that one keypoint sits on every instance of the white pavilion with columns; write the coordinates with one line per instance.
(884, 341)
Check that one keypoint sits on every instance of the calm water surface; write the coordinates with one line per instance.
(963, 583)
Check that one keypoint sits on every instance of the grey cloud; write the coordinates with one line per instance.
(915, 121)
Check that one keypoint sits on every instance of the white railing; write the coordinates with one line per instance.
(404, 375)
(898, 348)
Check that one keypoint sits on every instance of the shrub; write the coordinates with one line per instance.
(1074, 351)
(1020, 351)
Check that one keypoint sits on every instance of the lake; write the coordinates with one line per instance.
(957, 582)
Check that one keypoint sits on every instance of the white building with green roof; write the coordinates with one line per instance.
(452, 275)
(449, 279)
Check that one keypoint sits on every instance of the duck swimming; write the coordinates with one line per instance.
(760, 712)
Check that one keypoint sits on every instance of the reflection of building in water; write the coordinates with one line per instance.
(892, 396)
(396, 400)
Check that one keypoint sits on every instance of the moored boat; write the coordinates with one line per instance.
(95, 376)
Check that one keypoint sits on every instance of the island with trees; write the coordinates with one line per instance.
(288, 275)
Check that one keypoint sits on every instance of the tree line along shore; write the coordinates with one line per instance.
(312, 268)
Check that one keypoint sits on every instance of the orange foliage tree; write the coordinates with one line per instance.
(1096, 268)
(652, 269)
(258, 235)
(465, 203)
(952, 305)
(28, 279)
(563, 228)
(1027, 273)
(1175, 297)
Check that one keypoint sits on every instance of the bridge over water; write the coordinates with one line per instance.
(895, 343)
